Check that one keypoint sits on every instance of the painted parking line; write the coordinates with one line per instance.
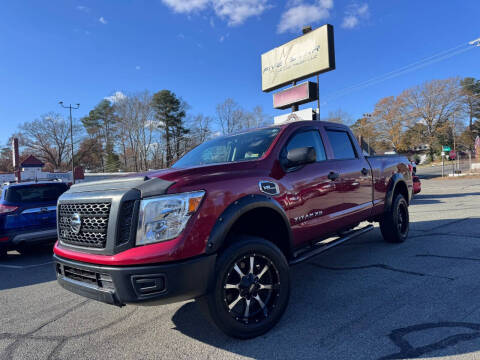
(24, 266)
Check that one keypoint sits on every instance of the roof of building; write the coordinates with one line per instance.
(32, 161)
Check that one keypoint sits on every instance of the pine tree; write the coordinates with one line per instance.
(170, 114)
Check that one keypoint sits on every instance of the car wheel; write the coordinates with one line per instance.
(3, 253)
(395, 223)
(251, 288)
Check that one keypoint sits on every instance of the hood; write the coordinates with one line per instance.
(206, 173)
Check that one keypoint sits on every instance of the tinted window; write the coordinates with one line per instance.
(35, 193)
(341, 144)
(308, 138)
(242, 147)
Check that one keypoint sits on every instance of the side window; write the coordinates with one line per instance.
(341, 144)
(308, 138)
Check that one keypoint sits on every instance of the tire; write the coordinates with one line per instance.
(264, 290)
(3, 253)
(395, 223)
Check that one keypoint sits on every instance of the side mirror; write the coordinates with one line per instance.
(301, 156)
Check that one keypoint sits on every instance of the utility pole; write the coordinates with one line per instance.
(367, 116)
(70, 107)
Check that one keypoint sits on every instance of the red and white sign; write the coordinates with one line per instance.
(296, 95)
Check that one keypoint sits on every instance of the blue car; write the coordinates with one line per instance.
(28, 213)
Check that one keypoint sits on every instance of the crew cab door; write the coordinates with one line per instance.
(353, 177)
(310, 195)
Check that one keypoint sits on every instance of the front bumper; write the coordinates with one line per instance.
(154, 284)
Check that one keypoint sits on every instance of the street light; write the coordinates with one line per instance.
(70, 107)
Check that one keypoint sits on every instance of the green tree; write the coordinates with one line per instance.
(101, 122)
(112, 163)
(471, 99)
(170, 114)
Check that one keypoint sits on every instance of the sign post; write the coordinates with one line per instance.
(443, 163)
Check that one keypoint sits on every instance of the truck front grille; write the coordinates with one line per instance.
(93, 224)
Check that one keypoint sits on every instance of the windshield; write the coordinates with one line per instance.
(235, 148)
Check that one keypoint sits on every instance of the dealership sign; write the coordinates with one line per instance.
(310, 54)
(300, 115)
(298, 95)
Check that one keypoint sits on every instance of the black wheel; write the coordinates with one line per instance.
(3, 253)
(251, 288)
(396, 223)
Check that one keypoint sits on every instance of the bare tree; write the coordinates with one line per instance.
(255, 118)
(433, 104)
(136, 129)
(201, 130)
(390, 119)
(339, 116)
(48, 138)
(230, 116)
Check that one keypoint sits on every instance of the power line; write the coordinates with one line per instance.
(442, 55)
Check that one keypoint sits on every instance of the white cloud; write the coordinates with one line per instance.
(354, 14)
(186, 6)
(235, 12)
(349, 22)
(82, 8)
(300, 14)
(102, 20)
(116, 97)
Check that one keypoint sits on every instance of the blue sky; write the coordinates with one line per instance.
(208, 50)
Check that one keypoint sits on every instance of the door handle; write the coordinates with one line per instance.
(333, 176)
(364, 171)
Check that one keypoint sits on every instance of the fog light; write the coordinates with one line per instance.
(148, 284)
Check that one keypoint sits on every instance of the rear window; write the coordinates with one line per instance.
(341, 144)
(35, 193)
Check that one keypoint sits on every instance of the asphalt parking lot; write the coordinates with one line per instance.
(363, 300)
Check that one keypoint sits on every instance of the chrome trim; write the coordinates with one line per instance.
(350, 210)
(43, 209)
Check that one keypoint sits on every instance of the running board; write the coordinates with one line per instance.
(321, 247)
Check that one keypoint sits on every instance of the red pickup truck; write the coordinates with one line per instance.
(225, 222)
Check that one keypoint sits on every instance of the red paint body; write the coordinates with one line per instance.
(350, 199)
(417, 185)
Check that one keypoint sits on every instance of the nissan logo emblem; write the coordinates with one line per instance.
(75, 223)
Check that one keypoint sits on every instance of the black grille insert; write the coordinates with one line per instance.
(94, 224)
(125, 226)
(103, 281)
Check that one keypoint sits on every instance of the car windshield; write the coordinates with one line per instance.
(235, 148)
(35, 193)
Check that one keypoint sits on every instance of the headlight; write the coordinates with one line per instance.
(164, 217)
